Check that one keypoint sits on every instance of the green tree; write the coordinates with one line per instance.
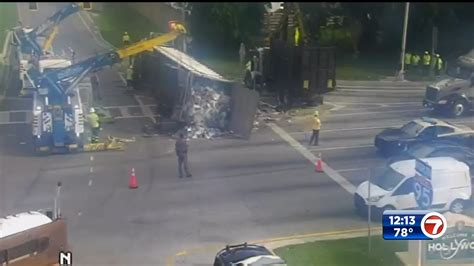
(225, 25)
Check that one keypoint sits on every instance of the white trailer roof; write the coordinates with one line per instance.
(17, 223)
(189, 63)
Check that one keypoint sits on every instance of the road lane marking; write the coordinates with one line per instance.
(146, 111)
(383, 91)
(380, 88)
(342, 148)
(352, 169)
(395, 103)
(371, 108)
(344, 183)
(122, 78)
(386, 112)
(91, 32)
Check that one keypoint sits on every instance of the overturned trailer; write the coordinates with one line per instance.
(191, 95)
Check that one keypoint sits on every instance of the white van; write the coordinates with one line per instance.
(394, 189)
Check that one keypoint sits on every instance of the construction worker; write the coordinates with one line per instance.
(126, 39)
(408, 58)
(129, 77)
(426, 60)
(316, 127)
(415, 62)
(94, 123)
(438, 64)
(297, 36)
(181, 148)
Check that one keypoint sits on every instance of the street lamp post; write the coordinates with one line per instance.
(401, 74)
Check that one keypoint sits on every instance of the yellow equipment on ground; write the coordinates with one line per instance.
(111, 144)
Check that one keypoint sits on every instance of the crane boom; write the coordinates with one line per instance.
(61, 81)
(55, 19)
(49, 41)
(27, 38)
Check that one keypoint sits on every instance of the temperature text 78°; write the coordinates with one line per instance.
(403, 231)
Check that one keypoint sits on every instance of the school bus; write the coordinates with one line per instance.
(32, 238)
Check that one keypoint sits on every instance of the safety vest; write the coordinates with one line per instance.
(439, 63)
(93, 119)
(297, 36)
(248, 66)
(316, 123)
(415, 59)
(407, 59)
(126, 38)
(426, 59)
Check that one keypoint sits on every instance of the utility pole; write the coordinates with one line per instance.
(401, 74)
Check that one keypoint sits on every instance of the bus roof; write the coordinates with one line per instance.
(17, 223)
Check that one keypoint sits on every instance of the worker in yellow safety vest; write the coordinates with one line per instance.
(297, 36)
(316, 125)
(426, 62)
(407, 60)
(126, 39)
(415, 62)
(94, 123)
(438, 65)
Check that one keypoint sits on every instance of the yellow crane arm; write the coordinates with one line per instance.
(145, 45)
(50, 39)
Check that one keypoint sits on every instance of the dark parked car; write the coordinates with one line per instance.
(462, 151)
(247, 255)
(393, 141)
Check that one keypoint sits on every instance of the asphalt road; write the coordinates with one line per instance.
(241, 190)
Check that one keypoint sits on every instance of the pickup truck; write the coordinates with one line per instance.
(455, 95)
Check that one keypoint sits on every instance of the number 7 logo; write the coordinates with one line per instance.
(433, 225)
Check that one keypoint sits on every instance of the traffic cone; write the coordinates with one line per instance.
(319, 164)
(133, 180)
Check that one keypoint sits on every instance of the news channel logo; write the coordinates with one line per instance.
(413, 225)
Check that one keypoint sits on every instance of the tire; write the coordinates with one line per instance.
(458, 108)
(457, 206)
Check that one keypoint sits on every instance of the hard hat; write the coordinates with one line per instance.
(316, 113)
(92, 110)
(125, 33)
(437, 55)
(426, 52)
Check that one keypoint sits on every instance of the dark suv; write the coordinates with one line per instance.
(247, 255)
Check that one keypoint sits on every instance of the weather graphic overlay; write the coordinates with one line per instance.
(413, 225)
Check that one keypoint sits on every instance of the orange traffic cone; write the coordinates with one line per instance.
(133, 180)
(319, 164)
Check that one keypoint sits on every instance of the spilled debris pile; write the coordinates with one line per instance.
(209, 115)
(265, 113)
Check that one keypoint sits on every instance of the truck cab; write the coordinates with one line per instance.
(66, 120)
(455, 95)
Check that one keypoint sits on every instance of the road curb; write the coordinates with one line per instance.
(345, 234)
(381, 84)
